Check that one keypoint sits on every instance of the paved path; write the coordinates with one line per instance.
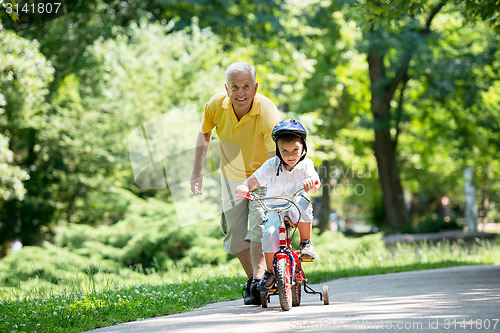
(459, 299)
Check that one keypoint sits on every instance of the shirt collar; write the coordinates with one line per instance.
(298, 166)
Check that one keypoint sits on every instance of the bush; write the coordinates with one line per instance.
(148, 235)
(436, 223)
(51, 264)
(149, 238)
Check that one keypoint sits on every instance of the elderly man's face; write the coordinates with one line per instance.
(241, 90)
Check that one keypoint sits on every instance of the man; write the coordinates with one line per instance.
(244, 121)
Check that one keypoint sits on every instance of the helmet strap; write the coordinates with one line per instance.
(280, 168)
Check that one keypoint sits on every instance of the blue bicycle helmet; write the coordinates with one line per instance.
(289, 126)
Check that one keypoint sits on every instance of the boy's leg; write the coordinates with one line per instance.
(304, 218)
(306, 246)
(305, 230)
(269, 261)
(305, 227)
(268, 279)
(270, 244)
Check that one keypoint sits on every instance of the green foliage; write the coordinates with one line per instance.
(149, 235)
(48, 265)
(24, 83)
(438, 83)
(436, 223)
(138, 68)
(147, 240)
(25, 77)
(11, 177)
(76, 148)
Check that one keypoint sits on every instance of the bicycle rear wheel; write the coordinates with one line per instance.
(296, 295)
(284, 283)
(264, 299)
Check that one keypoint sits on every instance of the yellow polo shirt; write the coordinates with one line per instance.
(245, 144)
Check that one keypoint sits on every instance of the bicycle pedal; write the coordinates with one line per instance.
(306, 259)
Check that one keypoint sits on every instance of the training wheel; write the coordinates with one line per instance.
(326, 296)
(264, 299)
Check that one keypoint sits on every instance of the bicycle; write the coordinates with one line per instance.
(287, 262)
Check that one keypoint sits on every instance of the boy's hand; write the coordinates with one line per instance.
(311, 184)
(242, 190)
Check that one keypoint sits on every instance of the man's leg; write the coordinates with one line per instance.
(245, 260)
(257, 260)
(234, 223)
(256, 216)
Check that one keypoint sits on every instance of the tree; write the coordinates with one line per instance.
(395, 36)
(78, 149)
(25, 76)
(459, 87)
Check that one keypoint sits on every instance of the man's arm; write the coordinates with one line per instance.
(202, 144)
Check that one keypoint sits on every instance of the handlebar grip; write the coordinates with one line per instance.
(247, 196)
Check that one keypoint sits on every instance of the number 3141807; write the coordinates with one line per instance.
(33, 8)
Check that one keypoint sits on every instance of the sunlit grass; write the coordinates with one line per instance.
(80, 311)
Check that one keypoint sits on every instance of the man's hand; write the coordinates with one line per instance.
(311, 184)
(196, 182)
(202, 143)
(242, 190)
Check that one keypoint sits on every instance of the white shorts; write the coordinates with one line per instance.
(270, 238)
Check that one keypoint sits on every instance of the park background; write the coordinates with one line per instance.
(401, 99)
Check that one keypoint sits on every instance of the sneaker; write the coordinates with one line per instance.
(267, 282)
(307, 250)
(247, 296)
(254, 293)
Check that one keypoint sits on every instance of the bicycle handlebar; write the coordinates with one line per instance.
(253, 196)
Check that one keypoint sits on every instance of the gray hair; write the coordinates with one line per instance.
(240, 67)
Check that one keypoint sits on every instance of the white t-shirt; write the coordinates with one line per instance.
(288, 181)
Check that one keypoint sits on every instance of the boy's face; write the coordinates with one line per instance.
(290, 151)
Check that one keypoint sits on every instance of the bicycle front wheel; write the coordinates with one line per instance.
(284, 283)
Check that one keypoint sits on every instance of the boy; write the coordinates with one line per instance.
(285, 173)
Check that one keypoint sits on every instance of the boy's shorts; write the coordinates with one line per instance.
(241, 219)
(270, 239)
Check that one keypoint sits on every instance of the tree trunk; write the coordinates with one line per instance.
(383, 146)
(324, 214)
(470, 199)
(389, 180)
(415, 212)
(485, 203)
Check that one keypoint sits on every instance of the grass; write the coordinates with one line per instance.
(104, 301)
(80, 311)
